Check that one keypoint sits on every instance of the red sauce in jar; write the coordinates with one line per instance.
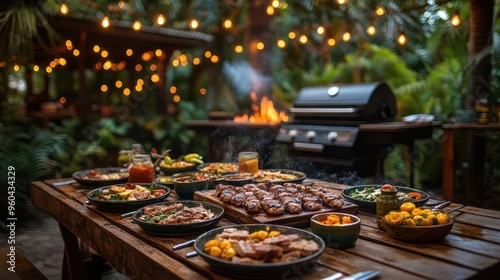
(141, 174)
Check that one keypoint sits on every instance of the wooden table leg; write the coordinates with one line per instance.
(72, 260)
(448, 164)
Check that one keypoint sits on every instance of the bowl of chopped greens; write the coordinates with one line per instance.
(365, 196)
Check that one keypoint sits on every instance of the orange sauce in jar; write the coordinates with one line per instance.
(248, 162)
(142, 170)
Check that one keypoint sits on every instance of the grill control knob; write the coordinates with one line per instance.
(311, 134)
(292, 133)
(332, 136)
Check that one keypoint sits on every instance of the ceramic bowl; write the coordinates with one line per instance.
(238, 179)
(418, 234)
(336, 236)
(186, 183)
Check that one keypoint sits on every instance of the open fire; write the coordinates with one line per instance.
(265, 113)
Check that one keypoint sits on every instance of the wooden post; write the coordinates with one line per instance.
(83, 97)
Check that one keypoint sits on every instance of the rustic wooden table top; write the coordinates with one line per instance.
(471, 250)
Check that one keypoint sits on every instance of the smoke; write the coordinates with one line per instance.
(243, 78)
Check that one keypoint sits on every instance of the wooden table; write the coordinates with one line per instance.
(471, 250)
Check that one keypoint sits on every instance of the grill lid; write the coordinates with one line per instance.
(365, 102)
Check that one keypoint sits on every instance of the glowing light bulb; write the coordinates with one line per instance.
(455, 20)
(270, 10)
(346, 37)
(281, 44)
(275, 3)
(105, 22)
(260, 46)
(64, 8)
(303, 39)
(331, 42)
(380, 11)
(320, 30)
(341, 2)
(194, 24)
(371, 30)
(292, 35)
(161, 20)
(228, 24)
(137, 25)
(238, 49)
(402, 38)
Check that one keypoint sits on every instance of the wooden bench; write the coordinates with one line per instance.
(24, 269)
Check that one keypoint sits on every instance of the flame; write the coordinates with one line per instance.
(265, 113)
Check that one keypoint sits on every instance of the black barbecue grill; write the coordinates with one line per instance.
(327, 124)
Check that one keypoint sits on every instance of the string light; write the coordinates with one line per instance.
(260, 46)
(105, 22)
(194, 24)
(270, 10)
(118, 84)
(303, 39)
(342, 2)
(346, 37)
(371, 30)
(292, 35)
(380, 11)
(281, 44)
(455, 20)
(36, 68)
(320, 30)
(214, 59)
(137, 25)
(76, 52)
(64, 8)
(402, 38)
(238, 49)
(129, 52)
(331, 42)
(196, 60)
(158, 52)
(228, 23)
(275, 3)
(16, 68)
(161, 20)
(104, 53)
(96, 48)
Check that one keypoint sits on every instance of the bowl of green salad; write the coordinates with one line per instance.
(365, 196)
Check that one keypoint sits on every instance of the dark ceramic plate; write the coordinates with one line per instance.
(370, 206)
(300, 176)
(78, 176)
(278, 270)
(121, 206)
(181, 229)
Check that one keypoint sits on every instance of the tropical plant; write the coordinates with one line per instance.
(28, 149)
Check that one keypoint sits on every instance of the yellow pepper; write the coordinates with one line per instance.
(228, 253)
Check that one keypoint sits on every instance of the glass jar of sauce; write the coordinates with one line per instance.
(248, 162)
(386, 202)
(124, 157)
(141, 170)
(482, 111)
